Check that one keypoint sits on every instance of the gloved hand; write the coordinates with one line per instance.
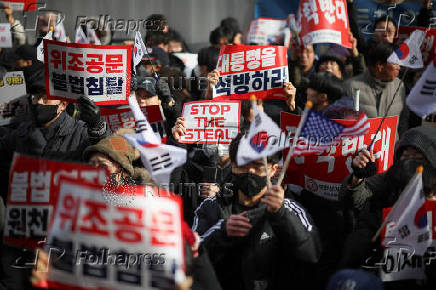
(89, 112)
(164, 93)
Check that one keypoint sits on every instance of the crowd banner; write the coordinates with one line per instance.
(123, 118)
(12, 86)
(428, 46)
(5, 35)
(211, 122)
(324, 21)
(138, 246)
(269, 31)
(251, 69)
(324, 173)
(100, 72)
(32, 196)
(20, 5)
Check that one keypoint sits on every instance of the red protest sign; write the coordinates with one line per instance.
(324, 21)
(135, 245)
(323, 174)
(251, 69)
(20, 5)
(211, 122)
(428, 46)
(123, 118)
(100, 72)
(33, 192)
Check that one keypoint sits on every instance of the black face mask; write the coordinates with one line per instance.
(44, 113)
(250, 184)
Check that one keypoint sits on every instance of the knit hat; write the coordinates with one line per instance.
(115, 147)
(422, 138)
(350, 279)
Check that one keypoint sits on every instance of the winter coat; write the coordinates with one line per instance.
(263, 259)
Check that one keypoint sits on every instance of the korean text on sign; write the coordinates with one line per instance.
(324, 21)
(85, 225)
(33, 189)
(322, 174)
(101, 72)
(211, 122)
(251, 69)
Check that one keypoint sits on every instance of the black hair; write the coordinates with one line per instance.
(378, 52)
(327, 83)
(208, 56)
(218, 33)
(429, 179)
(331, 57)
(232, 25)
(156, 22)
(154, 38)
(234, 145)
(384, 18)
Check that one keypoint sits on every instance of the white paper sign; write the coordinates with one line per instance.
(5, 35)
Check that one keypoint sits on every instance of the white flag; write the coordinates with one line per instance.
(159, 159)
(81, 36)
(142, 124)
(422, 98)
(409, 52)
(59, 32)
(40, 49)
(410, 225)
(264, 139)
(89, 38)
(138, 51)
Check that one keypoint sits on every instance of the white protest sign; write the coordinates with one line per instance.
(268, 31)
(100, 72)
(127, 245)
(189, 59)
(12, 86)
(5, 35)
(211, 122)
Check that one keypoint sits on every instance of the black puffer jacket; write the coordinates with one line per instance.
(263, 259)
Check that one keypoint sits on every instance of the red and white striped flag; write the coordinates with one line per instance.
(319, 133)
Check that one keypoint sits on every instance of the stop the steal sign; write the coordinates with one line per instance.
(211, 122)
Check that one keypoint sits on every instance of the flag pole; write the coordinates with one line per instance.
(265, 161)
(294, 142)
(419, 171)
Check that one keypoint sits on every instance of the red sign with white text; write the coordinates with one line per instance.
(100, 72)
(324, 21)
(20, 5)
(33, 192)
(324, 173)
(251, 69)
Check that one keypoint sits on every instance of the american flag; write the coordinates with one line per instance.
(318, 132)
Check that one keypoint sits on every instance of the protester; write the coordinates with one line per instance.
(253, 234)
(17, 29)
(379, 86)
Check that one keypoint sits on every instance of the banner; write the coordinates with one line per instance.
(5, 35)
(32, 196)
(12, 86)
(428, 47)
(269, 31)
(324, 173)
(211, 122)
(324, 22)
(20, 5)
(123, 118)
(251, 69)
(100, 72)
(134, 246)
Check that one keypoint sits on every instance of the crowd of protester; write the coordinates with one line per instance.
(260, 237)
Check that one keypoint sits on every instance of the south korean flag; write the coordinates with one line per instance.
(138, 51)
(159, 159)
